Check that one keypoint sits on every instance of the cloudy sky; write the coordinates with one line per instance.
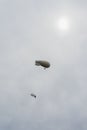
(52, 30)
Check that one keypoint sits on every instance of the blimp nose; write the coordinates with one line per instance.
(37, 63)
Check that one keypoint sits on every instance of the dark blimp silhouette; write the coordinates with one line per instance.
(33, 95)
(42, 63)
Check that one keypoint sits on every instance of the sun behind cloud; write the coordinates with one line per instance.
(63, 24)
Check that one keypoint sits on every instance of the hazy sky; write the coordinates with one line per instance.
(29, 31)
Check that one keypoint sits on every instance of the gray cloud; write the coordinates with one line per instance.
(28, 32)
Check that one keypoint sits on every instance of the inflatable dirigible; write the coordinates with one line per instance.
(42, 63)
(33, 95)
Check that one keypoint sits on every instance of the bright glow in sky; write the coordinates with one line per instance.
(63, 24)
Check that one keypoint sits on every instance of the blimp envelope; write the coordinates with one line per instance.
(33, 95)
(42, 63)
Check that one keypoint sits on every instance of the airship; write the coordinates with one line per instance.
(42, 63)
(33, 95)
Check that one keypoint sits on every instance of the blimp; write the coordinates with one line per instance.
(33, 95)
(42, 63)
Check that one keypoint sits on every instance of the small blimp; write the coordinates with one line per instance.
(42, 63)
(33, 95)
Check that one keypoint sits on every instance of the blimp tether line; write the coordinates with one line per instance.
(42, 63)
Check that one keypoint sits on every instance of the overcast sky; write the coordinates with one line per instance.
(29, 31)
